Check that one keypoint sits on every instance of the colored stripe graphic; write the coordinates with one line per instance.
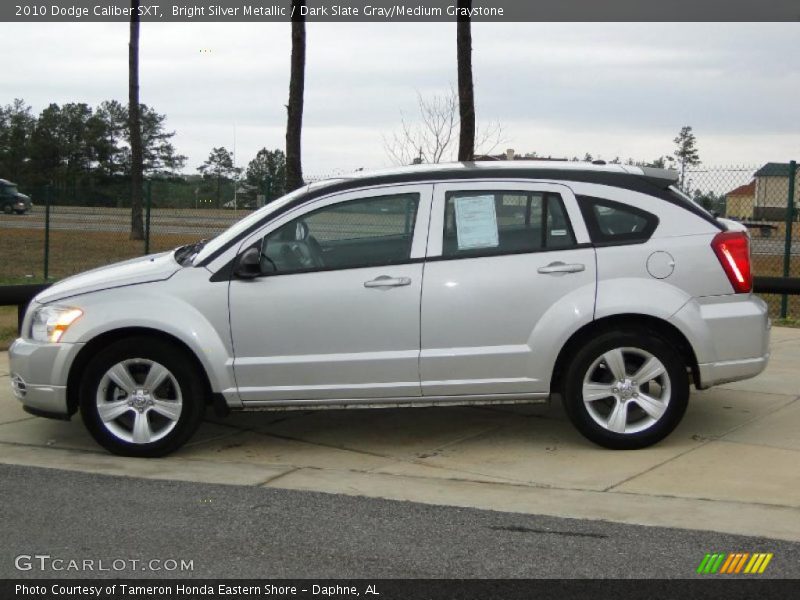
(754, 563)
(735, 563)
(711, 563)
(767, 558)
(704, 563)
(715, 567)
(738, 562)
(727, 564)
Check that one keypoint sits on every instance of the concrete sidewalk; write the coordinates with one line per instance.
(731, 466)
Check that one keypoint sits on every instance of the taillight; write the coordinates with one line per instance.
(733, 251)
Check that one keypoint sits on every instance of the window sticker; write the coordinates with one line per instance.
(476, 222)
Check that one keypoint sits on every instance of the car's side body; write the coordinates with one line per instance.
(433, 323)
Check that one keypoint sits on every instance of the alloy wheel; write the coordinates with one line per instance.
(626, 390)
(139, 401)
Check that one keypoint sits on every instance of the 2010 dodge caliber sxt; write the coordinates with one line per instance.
(442, 285)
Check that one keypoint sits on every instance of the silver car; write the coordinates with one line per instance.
(442, 285)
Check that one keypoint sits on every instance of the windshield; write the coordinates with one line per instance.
(241, 226)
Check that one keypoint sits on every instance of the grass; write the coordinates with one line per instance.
(71, 251)
(787, 322)
(8, 326)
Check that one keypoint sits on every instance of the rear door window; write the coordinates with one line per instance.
(612, 222)
(504, 222)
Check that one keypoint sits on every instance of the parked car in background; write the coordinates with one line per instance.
(11, 201)
(423, 286)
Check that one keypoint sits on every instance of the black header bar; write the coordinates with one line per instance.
(399, 11)
(708, 588)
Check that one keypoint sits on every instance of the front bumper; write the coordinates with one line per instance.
(39, 374)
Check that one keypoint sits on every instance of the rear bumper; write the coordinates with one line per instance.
(729, 335)
(732, 370)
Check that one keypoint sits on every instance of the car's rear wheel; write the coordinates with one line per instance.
(626, 390)
(8, 209)
(141, 397)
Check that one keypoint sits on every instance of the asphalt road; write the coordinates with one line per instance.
(238, 532)
(168, 221)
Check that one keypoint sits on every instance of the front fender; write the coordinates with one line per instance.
(156, 306)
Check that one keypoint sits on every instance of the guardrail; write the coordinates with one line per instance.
(21, 295)
(776, 285)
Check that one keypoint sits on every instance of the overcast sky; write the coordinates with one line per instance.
(558, 89)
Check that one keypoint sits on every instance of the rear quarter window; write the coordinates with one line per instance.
(612, 222)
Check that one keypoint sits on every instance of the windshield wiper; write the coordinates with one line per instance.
(185, 254)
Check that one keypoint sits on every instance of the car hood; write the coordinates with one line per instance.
(156, 267)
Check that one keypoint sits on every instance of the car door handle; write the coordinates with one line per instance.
(384, 281)
(557, 267)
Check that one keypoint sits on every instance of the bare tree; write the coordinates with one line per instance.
(466, 91)
(431, 136)
(135, 127)
(294, 109)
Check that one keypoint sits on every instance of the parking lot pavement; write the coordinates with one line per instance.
(251, 531)
(731, 466)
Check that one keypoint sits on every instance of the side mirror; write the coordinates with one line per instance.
(249, 264)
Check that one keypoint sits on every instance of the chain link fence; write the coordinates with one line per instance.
(60, 236)
(763, 199)
(84, 229)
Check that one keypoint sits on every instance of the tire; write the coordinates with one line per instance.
(149, 392)
(8, 209)
(626, 413)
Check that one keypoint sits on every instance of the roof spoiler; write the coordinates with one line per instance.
(661, 177)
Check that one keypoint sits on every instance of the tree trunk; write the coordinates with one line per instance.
(466, 92)
(135, 127)
(294, 123)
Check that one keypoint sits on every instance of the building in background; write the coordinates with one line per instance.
(741, 202)
(772, 191)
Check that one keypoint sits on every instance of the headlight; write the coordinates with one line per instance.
(50, 322)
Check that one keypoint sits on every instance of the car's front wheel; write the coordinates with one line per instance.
(141, 397)
(626, 390)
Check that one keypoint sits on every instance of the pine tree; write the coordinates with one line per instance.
(686, 151)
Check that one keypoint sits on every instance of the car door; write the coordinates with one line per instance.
(504, 261)
(335, 314)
